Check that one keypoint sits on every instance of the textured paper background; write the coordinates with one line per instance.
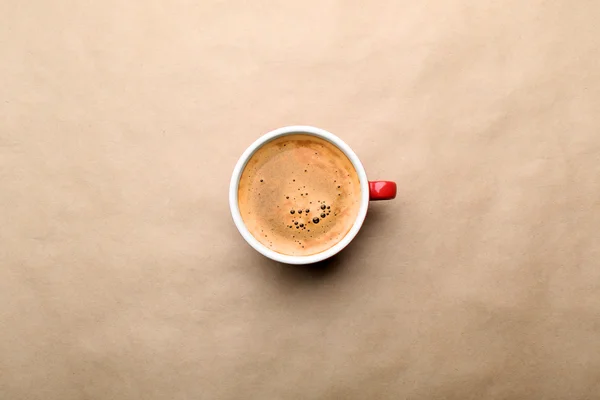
(123, 277)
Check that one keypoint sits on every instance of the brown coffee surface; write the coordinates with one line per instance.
(299, 195)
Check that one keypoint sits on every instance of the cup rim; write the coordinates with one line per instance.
(241, 164)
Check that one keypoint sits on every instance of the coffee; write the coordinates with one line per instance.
(299, 195)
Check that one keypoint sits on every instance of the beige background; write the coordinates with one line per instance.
(122, 275)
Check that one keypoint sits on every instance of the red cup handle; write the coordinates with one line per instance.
(382, 190)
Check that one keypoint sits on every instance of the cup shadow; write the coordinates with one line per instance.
(332, 267)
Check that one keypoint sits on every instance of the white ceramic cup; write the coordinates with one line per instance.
(377, 190)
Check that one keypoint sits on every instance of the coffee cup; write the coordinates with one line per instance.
(287, 191)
